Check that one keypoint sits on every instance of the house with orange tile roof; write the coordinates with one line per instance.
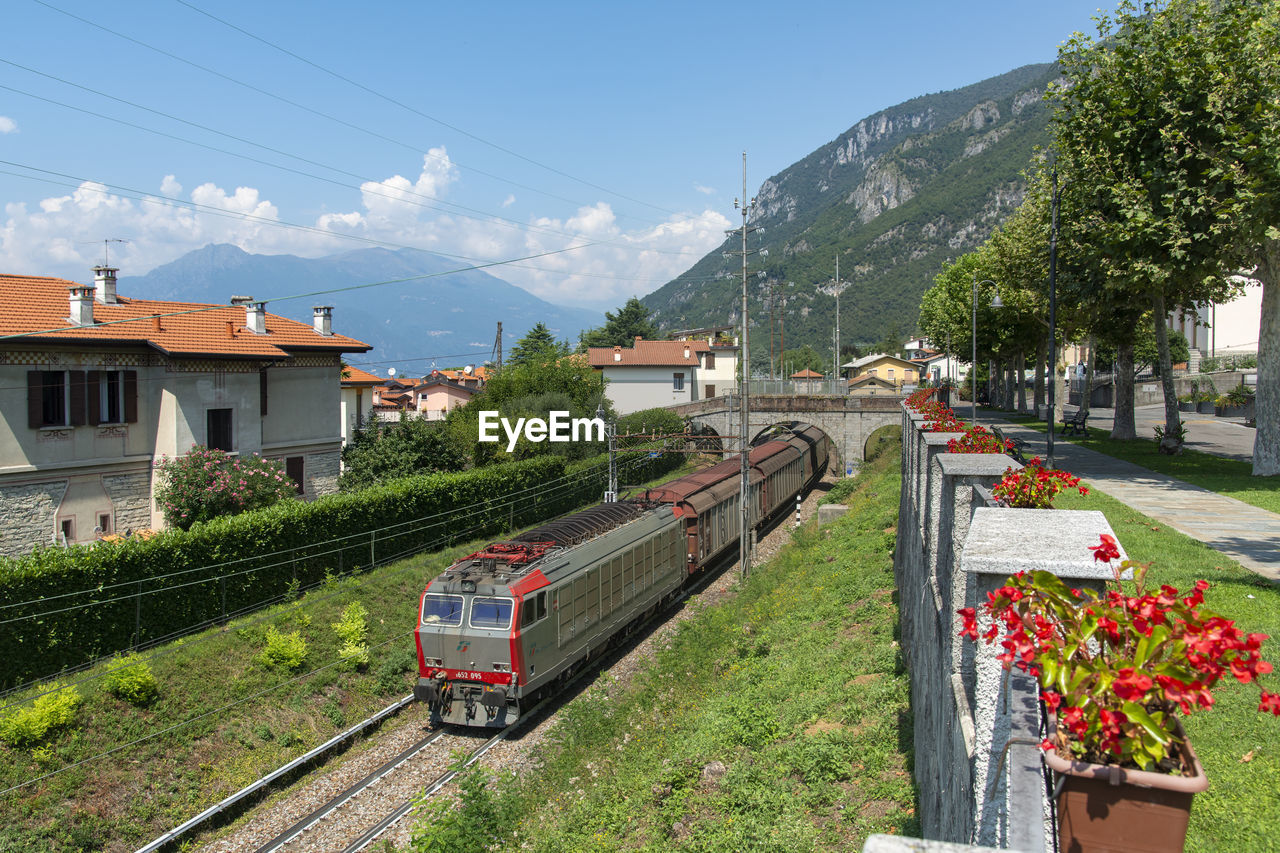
(98, 387)
(358, 397)
(439, 393)
(650, 374)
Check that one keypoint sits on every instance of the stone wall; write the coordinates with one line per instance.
(321, 473)
(130, 500)
(28, 514)
(977, 729)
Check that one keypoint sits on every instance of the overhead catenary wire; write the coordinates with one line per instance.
(196, 718)
(454, 534)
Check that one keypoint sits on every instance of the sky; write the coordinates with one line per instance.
(596, 147)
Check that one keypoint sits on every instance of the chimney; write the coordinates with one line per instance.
(256, 317)
(104, 283)
(241, 300)
(82, 305)
(617, 353)
(686, 350)
(323, 319)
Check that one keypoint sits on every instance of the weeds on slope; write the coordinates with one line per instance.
(776, 720)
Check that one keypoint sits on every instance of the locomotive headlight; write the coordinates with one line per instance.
(502, 667)
(434, 662)
(468, 586)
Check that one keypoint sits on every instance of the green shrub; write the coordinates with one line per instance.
(30, 725)
(206, 484)
(131, 679)
(286, 651)
(391, 672)
(353, 630)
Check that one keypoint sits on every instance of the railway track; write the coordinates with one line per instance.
(367, 809)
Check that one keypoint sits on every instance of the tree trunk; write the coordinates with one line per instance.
(1020, 362)
(1123, 427)
(1042, 352)
(1009, 364)
(1266, 440)
(1171, 442)
(1087, 391)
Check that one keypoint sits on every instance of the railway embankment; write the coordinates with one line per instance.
(234, 702)
(772, 715)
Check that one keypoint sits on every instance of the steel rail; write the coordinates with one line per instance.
(337, 800)
(271, 777)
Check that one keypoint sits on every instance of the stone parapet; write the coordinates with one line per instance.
(976, 728)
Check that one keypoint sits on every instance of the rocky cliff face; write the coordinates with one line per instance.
(894, 196)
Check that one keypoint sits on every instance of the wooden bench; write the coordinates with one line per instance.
(1019, 446)
(1074, 424)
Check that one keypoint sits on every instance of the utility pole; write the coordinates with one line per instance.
(835, 365)
(744, 392)
(1053, 316)
(497, 348)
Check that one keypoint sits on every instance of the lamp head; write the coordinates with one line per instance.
(996, 303)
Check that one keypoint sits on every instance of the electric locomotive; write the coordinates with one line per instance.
(509, 623)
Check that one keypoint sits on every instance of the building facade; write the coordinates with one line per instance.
(654, 374)
(97, 388)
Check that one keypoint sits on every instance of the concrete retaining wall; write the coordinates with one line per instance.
(977, 729)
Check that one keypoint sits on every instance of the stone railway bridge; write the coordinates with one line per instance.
(849, 421)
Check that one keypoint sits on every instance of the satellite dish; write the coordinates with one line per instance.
(391, 371)
(469, 369)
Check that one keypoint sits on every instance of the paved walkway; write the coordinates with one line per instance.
(1245, 533)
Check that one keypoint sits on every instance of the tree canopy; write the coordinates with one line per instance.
(621, 329)
(539, 344)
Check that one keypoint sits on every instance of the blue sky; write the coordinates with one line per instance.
(487, 131)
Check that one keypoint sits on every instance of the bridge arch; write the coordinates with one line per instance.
(848, 421)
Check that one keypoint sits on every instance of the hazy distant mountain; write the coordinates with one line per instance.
(449, 318)
(895, 196)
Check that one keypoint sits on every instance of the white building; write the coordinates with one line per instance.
(95, 388)
(653, 374)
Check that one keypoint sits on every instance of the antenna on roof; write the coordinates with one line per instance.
(106, 248)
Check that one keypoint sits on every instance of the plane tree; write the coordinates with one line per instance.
(1166, 127)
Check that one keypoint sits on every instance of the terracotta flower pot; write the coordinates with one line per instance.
(1103, 807)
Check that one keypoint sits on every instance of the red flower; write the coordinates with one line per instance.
(1270, 702)
(970, 617)
(1131, 686)
(1107, 549)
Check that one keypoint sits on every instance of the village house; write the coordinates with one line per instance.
(652, 374)
(896, 371)
(110, 385)
(359, 396)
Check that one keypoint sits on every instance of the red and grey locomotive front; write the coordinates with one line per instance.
(468, 636)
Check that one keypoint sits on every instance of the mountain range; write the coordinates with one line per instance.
(418, 313)
(894, 197)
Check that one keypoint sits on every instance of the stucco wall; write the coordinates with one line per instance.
(28, 515)
(634, 388)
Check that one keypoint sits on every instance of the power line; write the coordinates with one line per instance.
(350, 125)
(147, 197)
(416, 111)
(307, 295)
(461, 210)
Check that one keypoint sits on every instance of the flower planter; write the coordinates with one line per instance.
(1186, 407)
(1206, 407)
(1102, 807)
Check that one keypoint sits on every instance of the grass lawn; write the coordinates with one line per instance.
(223, 717)
(777, 720)
(1239, 747)
(1229, 477)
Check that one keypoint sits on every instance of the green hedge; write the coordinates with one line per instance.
(66, 607)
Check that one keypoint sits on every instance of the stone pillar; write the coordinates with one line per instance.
(1012, 808)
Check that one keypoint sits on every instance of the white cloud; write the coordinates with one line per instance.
(704, 190)
(508, 201)
(8, 125)
(54, 235)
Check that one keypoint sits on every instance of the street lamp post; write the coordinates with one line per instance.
(973, 365)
